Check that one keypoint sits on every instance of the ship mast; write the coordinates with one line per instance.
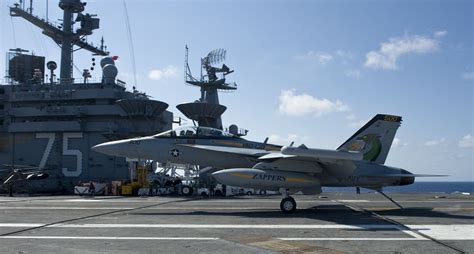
(64, 35)
(207, 111)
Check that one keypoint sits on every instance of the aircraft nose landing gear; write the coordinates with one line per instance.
(288, 205)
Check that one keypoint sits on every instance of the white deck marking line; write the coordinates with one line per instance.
(111, 238)
(128, 208)
(252, 200)
(330, 200)
(210, 226)
(192, 208)
(84, 200)
(20, 225)
(446, 232)
(442, 232)
(352, 239)
(201, 238)
(412, 201)
(399, 227)
(64, 208)
(413, 234)
(195, 238)
(353, 200)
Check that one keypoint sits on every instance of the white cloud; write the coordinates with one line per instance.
(398, 143)
(304, 104)
(324, 58)
(435, 142)
(467, 141)
(345, 57)
(351, 117)
(159, 74)
(280, 140)
(354, 74)
(468, 75)
(386, 57)
(288, 139)
(439, 34)
(127, 76)
(344, 54)
(321, 57)
(357, 124)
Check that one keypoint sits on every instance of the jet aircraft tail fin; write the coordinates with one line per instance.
(374, 139)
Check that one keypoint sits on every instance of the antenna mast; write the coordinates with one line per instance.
(207, 111)
(65, 34)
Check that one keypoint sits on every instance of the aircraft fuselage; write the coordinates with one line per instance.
(182, 150)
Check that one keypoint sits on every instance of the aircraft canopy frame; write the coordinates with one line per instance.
(195, 132)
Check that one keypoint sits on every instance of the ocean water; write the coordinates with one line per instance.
(441, 187)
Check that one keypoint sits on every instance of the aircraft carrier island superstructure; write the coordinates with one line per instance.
(51, 123)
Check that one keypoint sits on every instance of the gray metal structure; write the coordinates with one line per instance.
(65, 35)
(207, 111)
(358, 162)
(52, 123)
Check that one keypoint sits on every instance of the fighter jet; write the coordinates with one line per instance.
(14, 174)
(358, 162)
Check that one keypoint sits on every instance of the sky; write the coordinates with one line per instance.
(312, 72)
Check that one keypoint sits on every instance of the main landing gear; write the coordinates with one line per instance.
(187, 190)
(287, 204)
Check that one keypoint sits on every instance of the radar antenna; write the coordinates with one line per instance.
(210, 80)
(207, 111)
(214, 57)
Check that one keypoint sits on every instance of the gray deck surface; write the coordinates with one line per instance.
(327, 223)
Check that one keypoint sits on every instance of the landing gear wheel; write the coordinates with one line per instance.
(187, 191)
(288, 205)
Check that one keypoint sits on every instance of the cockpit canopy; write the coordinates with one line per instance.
(196, 132)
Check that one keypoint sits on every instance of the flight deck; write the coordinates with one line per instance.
(326, 223)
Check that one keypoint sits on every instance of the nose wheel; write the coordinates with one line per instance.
(288, 205)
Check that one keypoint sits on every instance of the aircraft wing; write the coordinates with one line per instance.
(275, 156)
(298, 159)
(303, 159)
(304, 153)
(235, 150)
(403, 175)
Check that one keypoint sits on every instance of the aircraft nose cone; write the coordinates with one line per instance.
(108, 148)
(100, 148)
